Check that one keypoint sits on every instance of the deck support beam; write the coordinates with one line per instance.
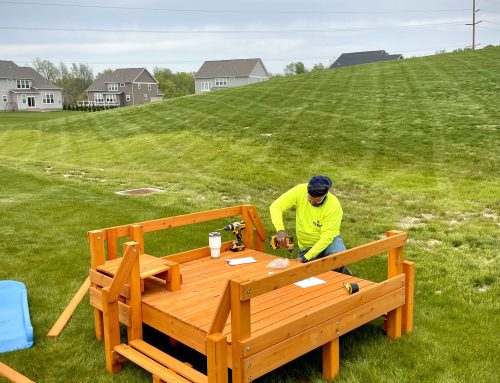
(331, 359)
(395, 267)
(217, 358)
(407, 320)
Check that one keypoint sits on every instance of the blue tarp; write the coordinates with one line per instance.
(16, 331)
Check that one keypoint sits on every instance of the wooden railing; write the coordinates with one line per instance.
(235, 299)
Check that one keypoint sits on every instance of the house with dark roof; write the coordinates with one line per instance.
(124, 87)
(357, 58)
(23, 88)
(229, 73)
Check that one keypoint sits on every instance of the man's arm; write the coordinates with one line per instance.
(283, 203)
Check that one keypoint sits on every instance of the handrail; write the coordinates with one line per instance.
(130, 256)
(253, 288)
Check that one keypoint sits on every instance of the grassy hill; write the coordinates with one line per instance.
(411, 144)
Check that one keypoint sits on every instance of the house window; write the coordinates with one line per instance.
(47, 98)
(221, 81)
(111, 98)
(4, 97)
(145, 97)
(205, 87)
(127, 97)
(138, 86)
(23, 99)
(112, 87)
(98, 97)
(23, 84)
(149, 86)
(122, 84)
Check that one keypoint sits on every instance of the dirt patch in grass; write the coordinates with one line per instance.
(408, 222)
(139, 191)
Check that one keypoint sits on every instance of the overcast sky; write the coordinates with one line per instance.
(180, 35)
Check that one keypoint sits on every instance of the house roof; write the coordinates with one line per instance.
(356, 58)
(228, 68)
(9, 70)
(123, 75)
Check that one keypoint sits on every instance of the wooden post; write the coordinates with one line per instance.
(247, 234)
(217, 358)
(135, 329)
(137, 235)
(240, 329)
(96, 244)
(407, 320)
(112, 244)
(173, 276)
(331, 359)
(111, 331)
(395, 267)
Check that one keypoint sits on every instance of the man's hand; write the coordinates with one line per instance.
(281, 238)
(301, 259)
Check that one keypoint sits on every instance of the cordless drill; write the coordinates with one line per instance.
(273, 242)
(236, 228)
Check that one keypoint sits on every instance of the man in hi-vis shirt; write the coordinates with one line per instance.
(318, 218)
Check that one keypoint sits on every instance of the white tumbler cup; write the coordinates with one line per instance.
(214, 241)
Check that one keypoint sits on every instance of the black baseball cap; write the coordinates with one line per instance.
(318, 186)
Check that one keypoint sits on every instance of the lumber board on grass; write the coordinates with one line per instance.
(69, 310)
(256, 287)
(12, 375)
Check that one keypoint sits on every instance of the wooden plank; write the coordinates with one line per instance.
(188, 219)
(174, 276)
(331, 359)
(96, 243)
(296, 324)
(257, 222)
(69, 310)
(407, 319)
(195, 254)
(240, 328)
(256, 287)
(395, 267)
(149, 364)
(168, 361)
(102, 280)
(112, 243)
(123, 309)
(247, 233)
(217, 358)
(222, 312)
(134, 331)
(130, 256)
(12, 375)
(111, 331)
(137, 235)
(293, 347)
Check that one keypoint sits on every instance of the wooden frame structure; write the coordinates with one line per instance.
(247, 319)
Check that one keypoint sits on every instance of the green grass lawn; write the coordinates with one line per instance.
(411, 144)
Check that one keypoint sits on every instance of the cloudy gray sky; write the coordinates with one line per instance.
(180, 35)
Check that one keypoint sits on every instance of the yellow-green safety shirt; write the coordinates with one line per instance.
(315, 226)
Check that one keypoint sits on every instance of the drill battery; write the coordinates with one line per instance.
(273, 242)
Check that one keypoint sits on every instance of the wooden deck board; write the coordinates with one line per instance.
(203, 281)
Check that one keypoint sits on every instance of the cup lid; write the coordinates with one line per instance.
(214, 234)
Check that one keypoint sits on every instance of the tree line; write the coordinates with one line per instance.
(76, 78)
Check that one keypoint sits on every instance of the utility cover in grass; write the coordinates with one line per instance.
(139, 191)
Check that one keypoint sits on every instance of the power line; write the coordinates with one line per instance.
(198, 31)
(224, 10)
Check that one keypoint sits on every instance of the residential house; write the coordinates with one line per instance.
(356, 58)
(124, 87)
(229, 73)
(23, 88)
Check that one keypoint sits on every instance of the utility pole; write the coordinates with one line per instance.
(474, 23)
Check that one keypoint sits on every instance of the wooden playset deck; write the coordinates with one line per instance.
(249, 319)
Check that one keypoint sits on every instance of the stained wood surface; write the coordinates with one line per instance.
(149, 265)
(204, 280)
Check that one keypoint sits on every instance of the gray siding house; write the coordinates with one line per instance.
(356, 58)
(124, 87)
(229, 73)
(23, 88)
